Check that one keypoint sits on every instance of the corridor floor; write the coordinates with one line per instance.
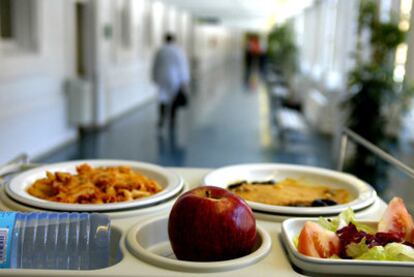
(225, 123)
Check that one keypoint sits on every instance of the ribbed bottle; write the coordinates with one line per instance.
(54, 240)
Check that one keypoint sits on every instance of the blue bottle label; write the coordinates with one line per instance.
(7, 220)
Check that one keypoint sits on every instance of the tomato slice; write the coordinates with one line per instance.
(397, 220)
(316, 241)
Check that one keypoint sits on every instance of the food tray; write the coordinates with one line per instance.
(124, 263)
(292, 227)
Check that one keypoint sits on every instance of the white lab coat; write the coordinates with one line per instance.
(170, 71)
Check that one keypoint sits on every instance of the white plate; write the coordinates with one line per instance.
(171, 183)
(292, 227)
(148, 241)
(362, 193)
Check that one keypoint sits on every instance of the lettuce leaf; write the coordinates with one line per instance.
(296, 240)
(344, 219)
(391, 252)
(364, 227)
(376, 253)
(399, 252)
(354, 250)
(328, 223)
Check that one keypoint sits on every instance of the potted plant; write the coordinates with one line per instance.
(282, 49)
(283, 59)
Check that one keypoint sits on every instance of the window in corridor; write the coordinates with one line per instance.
(401, 52)
(6, 30)
(18, 25)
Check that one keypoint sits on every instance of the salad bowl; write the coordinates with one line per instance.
(290, 231)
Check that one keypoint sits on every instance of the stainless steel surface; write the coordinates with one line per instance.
(342, 152)
(14, 164)
(349, 134)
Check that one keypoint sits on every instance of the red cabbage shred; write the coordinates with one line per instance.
(350, 234)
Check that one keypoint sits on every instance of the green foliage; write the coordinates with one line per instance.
(387, 36)
(372, 87)
(282, 49)
(368, 15)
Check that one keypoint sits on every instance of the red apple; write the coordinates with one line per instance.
(211, 224)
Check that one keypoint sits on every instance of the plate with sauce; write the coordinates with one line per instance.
(293, 189)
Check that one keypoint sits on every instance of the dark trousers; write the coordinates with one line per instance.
(172, 111)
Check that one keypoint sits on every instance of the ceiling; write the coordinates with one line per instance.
(246, 14)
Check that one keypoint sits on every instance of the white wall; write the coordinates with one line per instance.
(33, 108)
(215, 46)
(126, 71)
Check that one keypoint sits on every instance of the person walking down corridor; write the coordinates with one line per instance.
(170, 72)
(252, 54)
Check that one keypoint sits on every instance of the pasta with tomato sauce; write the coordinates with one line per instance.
(94, 185)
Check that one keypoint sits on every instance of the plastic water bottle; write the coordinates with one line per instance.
(54, 240)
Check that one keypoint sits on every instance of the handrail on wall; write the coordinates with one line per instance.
(349, 134)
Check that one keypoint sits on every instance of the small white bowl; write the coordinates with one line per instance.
(149, 242)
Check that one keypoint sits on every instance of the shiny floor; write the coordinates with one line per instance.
(227, 122)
